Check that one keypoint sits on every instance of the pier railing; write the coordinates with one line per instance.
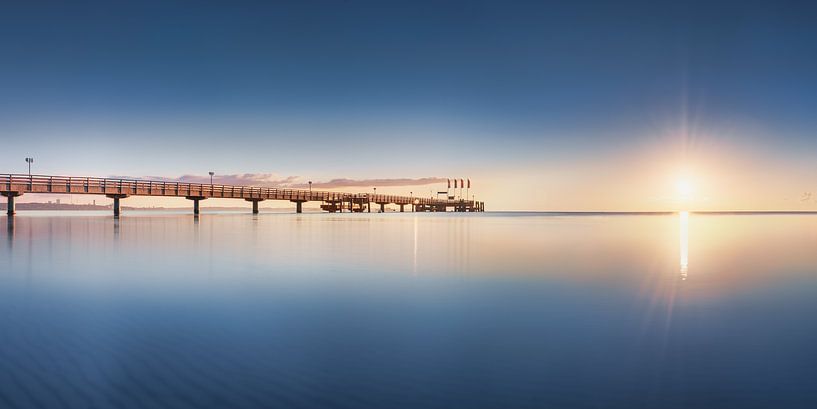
(23, 183)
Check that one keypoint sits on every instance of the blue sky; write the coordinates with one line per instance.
(537, 92)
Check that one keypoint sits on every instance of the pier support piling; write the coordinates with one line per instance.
(255, 204)
(196, 200)
(10, 201)
(10, 195)
(401, 208)
(382, 207)
(299, 208)
(116, 198)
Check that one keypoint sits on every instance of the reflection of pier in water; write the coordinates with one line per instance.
(683, 218)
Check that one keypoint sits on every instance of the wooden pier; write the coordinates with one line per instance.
(15, 185)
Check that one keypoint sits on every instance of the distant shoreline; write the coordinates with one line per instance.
(91, 207)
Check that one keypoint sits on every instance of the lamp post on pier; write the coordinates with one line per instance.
(211, 173)
(30, 180)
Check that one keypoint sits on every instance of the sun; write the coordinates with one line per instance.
(684, 188)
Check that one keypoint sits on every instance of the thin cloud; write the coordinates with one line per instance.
(245, 179)
(272, 180)
(336, 183)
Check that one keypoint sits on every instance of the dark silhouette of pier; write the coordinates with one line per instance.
(15, 185)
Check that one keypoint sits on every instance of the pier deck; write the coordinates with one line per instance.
(15, 185)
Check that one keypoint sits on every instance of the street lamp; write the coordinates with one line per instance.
(310, 188)
(211, 177)
(29, 161)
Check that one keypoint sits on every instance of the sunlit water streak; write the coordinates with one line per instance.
(408, 310)
(683, 242)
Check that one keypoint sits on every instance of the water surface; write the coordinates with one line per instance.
(491, 310)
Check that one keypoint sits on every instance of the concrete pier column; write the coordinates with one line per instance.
(116, 198)
(10, 201)
(299, 208)
(10, 195)
(254, 204)
(401, 208)
(196, 200)
(382, 207)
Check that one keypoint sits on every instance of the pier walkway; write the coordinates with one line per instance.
(15, 185)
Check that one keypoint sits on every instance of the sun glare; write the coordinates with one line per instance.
(684, 188)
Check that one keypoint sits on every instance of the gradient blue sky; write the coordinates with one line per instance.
(572, 105)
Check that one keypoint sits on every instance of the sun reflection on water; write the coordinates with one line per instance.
(683, 218)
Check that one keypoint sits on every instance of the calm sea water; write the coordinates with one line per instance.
(408, 310)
